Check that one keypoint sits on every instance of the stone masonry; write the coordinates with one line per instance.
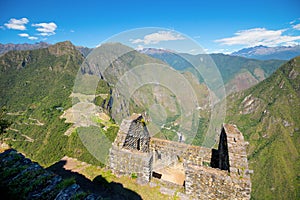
(229, 176)
(209, 173)
(130, 153)
(167, 152)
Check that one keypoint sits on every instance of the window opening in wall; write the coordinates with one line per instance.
(156, 175)
(139, 144)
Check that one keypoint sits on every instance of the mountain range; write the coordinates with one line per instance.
(37, 93)
(39, 45)
(238, 73)
(19, 47)
(267, 53)
(258, 52)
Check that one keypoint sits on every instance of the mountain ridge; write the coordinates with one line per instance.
(268, 116)
(25, 46)
(4, 48)
(238, 73)
(267, 53)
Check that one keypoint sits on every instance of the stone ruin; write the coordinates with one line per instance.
(130, 151)
(208, 173)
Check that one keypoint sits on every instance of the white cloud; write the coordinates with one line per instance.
(28, 36)
(193, 50)
(292, 22)
(32, 38)
(160, 36)
(17, 24)
(46, 34)
(23, 35)
(259, 36)
(297, 27)
(46, 29)
(223, 51)
(139, 47)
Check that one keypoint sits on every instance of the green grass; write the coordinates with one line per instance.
(129, 182)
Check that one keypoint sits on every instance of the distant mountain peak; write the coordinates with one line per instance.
(62, 48)
(266, 53)
(150, 51)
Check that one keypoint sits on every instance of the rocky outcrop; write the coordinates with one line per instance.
(62, 48)
(20, 178)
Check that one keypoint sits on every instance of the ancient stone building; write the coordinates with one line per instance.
(205, 173)
(130, 151)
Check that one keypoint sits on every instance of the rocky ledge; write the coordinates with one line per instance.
(20, 178)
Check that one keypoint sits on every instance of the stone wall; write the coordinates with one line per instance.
(130, 151)
(124, 162)
(237, 150)
(133, 134)
(137, 137)
(203, 182)
(166, 152)
(230, 179)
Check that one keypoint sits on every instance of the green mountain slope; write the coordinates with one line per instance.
(238, 73)
(268, 116)
(35, 89)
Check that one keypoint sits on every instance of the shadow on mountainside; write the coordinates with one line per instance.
(98, 186)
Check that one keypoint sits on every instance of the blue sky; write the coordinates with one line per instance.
(218, 26)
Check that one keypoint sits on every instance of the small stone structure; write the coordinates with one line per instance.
(130, 153)
(209, 173)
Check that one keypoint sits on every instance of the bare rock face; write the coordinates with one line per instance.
(293, 74)
(62, 48)
(249, 104)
